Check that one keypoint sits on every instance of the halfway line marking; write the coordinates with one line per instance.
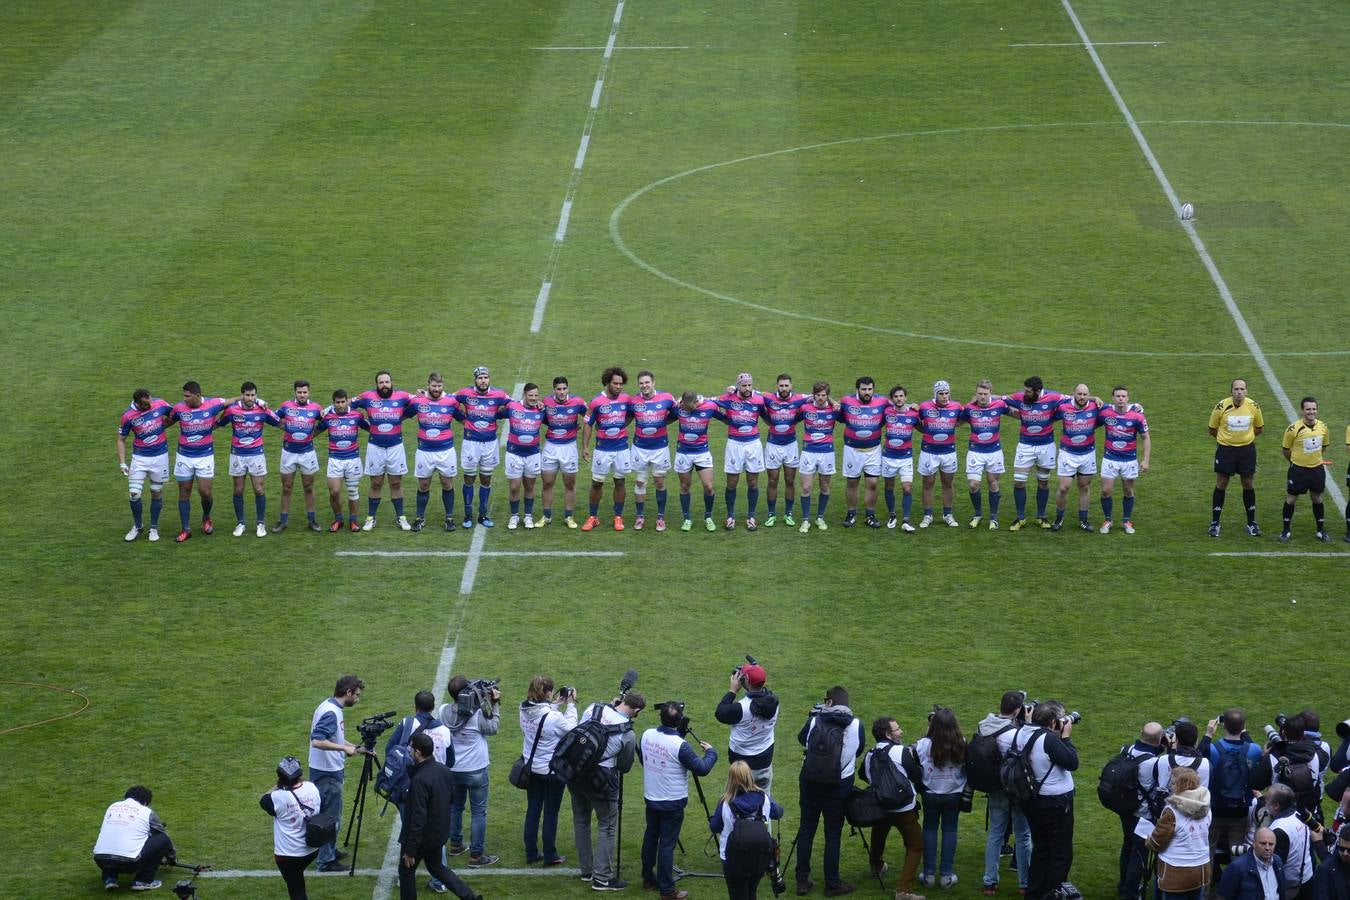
(1100, 44)
(625, 47)
(1273, 553)
(1189, 227)
(473, 557)
(402, 554)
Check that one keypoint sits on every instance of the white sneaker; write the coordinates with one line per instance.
(925, 521)
(262, 530)
(404, 524)
(805, 526)
(1106, 527)
(1129, 529)
(154, 534)
(950, 521)
(947, 881)
(238, 530)
(368, 524)
(134, 533)
(529, 521)
(821, 523)
(513, 523)
(906, 527)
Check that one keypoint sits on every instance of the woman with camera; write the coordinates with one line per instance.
(742, 813)
(1181, 839)
(938, 767)
(289, 804)
(541, 726)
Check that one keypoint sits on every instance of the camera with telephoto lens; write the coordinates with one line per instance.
(372, 727)
(1071, 718)
(682, 722)
(185, 890)
(567, 692)
(476, 696)
(1273, 731)
(1343, 730)
(1170, 732)
(739, 671)
(1028, 706)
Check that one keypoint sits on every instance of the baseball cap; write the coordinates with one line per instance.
(754, 675)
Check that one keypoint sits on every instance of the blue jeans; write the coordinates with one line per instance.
(330, 800)
(658, 846)
(543, 798)
(940, 810)
(474, 786)
(1001, 810)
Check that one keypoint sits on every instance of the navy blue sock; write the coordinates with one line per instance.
(890, 501)
(448, 501)
(685, 502)
(773, 506)
(515, 506)
(372, 504)
(751, 500)
(155, 507)
(806, 507)
(661, 496)
(1107, 503)
(238, 507)
(707, 506)
(398, 506)
(907, 504)
(136, 511)
(730, 496)
(641, 504)
(284, 517)
(484, 492)
(595, 509)
(1128, 504)
(977, 501)
(823, 502)
(467, 491)
(207, 503)
(185, 512)
(1020, 500)
(1042, 499)
(618, 509)
(260, 506)
(529, 506)
(1082, 515)
(423, 498)
(994, 497)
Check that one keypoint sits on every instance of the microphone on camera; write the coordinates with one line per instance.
(629, 679)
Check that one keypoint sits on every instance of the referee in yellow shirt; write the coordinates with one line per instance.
(1304, 442)
(1235, 423)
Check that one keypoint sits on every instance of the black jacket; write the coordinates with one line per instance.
(426, 812)
(1332, 881)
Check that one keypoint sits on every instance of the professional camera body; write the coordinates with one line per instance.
(567, 692)
(739, 671)
(681, 724)
(372, 727)
(476, 696)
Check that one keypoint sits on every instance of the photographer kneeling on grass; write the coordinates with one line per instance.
(132, 839)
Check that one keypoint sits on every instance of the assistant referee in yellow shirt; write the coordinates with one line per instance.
(1235, 423)
(1304, 442)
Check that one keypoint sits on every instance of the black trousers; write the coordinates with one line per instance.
(1051, 821)
(431, 854)
(146, 866)
(292, 870)
(739, 888)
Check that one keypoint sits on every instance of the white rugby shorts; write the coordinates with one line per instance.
(255, 465)
(605, 463)
(656, 459)
(156, 468)
(932, 463)
(685, 462)
(518, 466)
(386, 460)
(1116, 468)
(1077, 464)
(478, 457)
(1040, 456)
(977, 463)
(813, 462)
(559, 456)
(185, 468)
(778, 455)
(862, 462)
(428, 462)
(743, 456)
(346, 469)
(307, 462)
(903, 468)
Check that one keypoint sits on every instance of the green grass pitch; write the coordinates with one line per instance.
(266, 191)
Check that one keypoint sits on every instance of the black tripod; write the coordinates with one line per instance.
(368, 768)
(698, 786)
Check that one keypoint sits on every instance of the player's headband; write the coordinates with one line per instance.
(479, 370)
(940, 386)
(744, 378)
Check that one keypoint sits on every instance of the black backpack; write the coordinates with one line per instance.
(824, 749)
(1158, 795)
(749, 845)
(1015, 771)
(983, 759)
(580, 750)
(1229, 795)
(893, 788)
(1118, 786)
(1303, 781)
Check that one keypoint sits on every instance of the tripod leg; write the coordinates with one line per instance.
(868, 851)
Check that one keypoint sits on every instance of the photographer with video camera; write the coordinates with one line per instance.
(132, 839)
(426, 824)
(752, 719)
(741, 814)
(984, 753)
(542, 724)
(1052, 759)
(471, 715)
(329, 750)
(1232, 758)
(290, 803)
(1291, 758)
(667, 759)
(834, 740)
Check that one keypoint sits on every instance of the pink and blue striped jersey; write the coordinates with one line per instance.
(344, 432)
(1120, 433)
(196, 427)
(297, 422)
(862, 421)
(783, 416)
(742, 416)
(563, 418)
(480, 411)
(524, 427)
(693, 434)
(246, 427)
(147, 427)
(818, 427)
(609, 417)
(984, 425)
(900, 422)
(1078, 428)
(385, 417)
(1038, 418)
(435, 422)
(937, 426)
(650, 416)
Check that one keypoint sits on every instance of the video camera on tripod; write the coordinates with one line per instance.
(372, 727)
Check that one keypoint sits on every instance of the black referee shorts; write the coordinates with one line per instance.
(1235, 460)
(1303, 480)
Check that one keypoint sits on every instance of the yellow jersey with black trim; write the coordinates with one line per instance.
(1305, 444)
(1236, 425)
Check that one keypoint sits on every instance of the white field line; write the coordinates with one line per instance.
(574, 180)
(625, 47)
(1269, 554)
(368, 873)
(400, 554)
(1189, 227)
(1099, 44)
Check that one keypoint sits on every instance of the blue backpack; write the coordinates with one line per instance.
(394, 779)
(1228, 780)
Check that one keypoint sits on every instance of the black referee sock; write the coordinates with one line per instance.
(1218, 503)
(1347, 517)
(1320, 514)
(1288, 516)
(1249, 503)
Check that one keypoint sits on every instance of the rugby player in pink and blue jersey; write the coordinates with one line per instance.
(246, 420)
(782, 411)
(436, 412)
(146, 420)
(984, 453)
(563, 413)
(385, 410)
(196, 458)
(480, 406)
(1035, 409)
(1124, 428)
(1079, 421)
(897, 454)
(694, 414)
(819, 418)
(651, 446)
(607, 419)
(862, 415)
(344, 426)
(298, 418)
(938, 419)
(742, 408)
(524, 428)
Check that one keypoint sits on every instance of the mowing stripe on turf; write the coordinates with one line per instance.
(485, 553)
(1267, 554)
(1189, 227)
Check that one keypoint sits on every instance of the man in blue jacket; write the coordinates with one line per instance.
(1255, 875)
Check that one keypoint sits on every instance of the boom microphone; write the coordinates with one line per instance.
(629, 679)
